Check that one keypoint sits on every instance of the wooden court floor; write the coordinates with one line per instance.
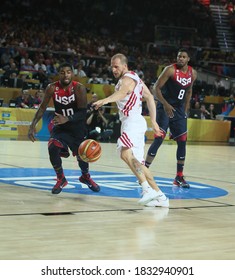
(36, 225)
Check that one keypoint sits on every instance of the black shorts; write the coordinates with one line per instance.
(70, 135)
(177, 124)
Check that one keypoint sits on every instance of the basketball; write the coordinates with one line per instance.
(89, 150)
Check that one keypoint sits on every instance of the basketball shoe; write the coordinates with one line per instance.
(61, 183)
(160, 201)
(86, 179)
(180, 182)
(148, 195)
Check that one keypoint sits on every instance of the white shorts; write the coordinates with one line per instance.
(133, 137)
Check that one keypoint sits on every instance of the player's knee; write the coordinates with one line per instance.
(182, 138)
(55, 142)
(155, 146)
(54, 146)
(160, 137)
(124, 154)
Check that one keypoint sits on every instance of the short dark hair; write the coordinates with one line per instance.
(184, 50)
(65, 64)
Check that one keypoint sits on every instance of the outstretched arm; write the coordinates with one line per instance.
(127, 86)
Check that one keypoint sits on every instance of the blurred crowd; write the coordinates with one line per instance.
(37, 36)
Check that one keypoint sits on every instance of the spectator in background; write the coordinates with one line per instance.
(25, 100)
(42, 77)
(25, 57)
(94, 79)
(40, 65)
(212, 112)
(197, 105)
(230, 102)
(38, 97)
(219, 87)
(105, 80)
(204, 113)
(27, 66)
(139, 71)
(11, 73)
(51, 69)
(98, 125)
(5, 57)
(79, 72)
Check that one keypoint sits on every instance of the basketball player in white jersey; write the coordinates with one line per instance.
(129, 92)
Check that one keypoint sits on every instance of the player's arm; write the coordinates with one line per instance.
(189, 93)
(41, 109)
(127, 86)
(152, 109)
(81, 99)
(163, 78)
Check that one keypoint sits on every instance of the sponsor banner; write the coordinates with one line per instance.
(15, 121)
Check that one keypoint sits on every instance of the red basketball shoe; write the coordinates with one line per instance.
(180, 182)
(59, 185)
(86, 179)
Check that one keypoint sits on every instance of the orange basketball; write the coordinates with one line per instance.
(89, 150)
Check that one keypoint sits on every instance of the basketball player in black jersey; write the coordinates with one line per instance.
(68, 127)
(173, 91)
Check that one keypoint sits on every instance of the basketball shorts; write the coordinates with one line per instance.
(177, 124)
(133, 137)
(71, 138)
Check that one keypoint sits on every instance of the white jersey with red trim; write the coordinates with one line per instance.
(131, 105)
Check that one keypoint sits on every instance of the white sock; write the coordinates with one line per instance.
(145, 185)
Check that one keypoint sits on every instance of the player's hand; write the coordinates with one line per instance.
(169, 110)
(31, 134)
(98, 104)
(60, 119)
(157, 130)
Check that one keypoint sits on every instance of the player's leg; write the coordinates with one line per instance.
(131, 147)
(79, 135)
(152, 151)
(163, 122)
(85, 178)
(54, 148)
(180, 156)
(179, 134)
(150, 188)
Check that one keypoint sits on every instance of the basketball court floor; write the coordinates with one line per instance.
(78, 224)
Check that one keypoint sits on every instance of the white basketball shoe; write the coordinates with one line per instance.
(160, 201)
(148, 195)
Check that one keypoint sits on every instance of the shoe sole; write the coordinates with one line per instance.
(156, 203)
(181, 186)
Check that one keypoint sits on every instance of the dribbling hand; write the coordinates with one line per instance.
(31, 134)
